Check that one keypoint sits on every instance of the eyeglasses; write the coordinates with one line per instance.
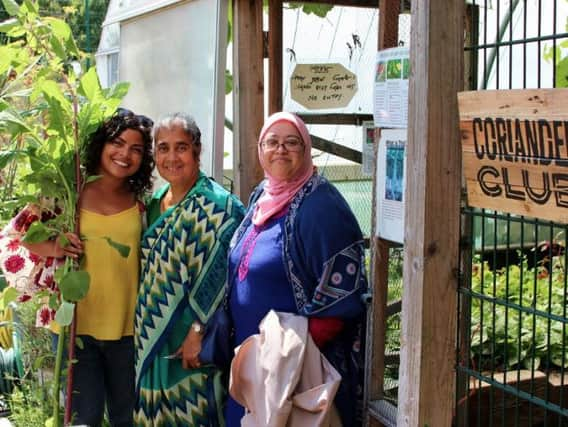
(145, 121)
(291, 145)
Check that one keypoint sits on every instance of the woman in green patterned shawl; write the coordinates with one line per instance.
(184, 260)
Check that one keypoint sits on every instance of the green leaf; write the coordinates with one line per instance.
(13, 118)
(228, 82)
(561, 73)
(11, 7)
(31, 6)
(320, 10)
(8, 295)
(58, 275)
(90, 86)
(58, 48)
(51, 89)
(66, 164)
(118, 91)
(8, 25)
(74, 285)
(38, 362)
(91, 178)
(7, 157)
(63, 240)
(38, 161)
(317, 9)
(59, 27)
(53, 301)
(37, 233)
(123, 250)
(64, 314)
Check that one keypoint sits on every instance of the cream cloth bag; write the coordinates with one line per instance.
(281, 378)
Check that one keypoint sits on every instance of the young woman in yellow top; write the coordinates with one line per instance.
(120, 153)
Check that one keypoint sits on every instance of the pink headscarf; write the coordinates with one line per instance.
(279, 193)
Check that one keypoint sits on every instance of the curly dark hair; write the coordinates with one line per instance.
(141, 181)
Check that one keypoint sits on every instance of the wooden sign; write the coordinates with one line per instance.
(515, 151)
(322, 86)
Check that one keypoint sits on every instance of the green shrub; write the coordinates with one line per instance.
(517, 315)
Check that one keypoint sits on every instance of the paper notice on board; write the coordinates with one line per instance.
(392, 69)
(391, 181)
(322, 86)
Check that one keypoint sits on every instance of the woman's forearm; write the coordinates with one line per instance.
(49, 248)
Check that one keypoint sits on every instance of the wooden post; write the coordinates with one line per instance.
(274, 56)
(388, 23)
(428, 351)
(388, 37)
(248, 94)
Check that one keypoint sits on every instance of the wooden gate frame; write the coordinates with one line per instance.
(430, 273)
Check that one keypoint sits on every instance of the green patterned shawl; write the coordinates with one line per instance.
(184, 262)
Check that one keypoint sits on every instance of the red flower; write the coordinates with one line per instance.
(37, 278)
(49, 282)
(31, 219)
(14, 264)
(13, 245)
(44, 316)
(24, 298)
(34, 258)
(48, 261)
(46, 215)
(20, 220)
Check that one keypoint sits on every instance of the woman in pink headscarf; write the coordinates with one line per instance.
(300, 250)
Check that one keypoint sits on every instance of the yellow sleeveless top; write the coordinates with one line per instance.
(107, 312)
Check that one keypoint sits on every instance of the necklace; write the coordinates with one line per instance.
(246, 252)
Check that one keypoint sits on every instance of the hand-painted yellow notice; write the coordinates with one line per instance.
(322, 86)
(515, 151)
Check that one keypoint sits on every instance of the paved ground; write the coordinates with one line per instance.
(4, 422)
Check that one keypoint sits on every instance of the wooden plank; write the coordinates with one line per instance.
(503, 173)
(489, 405)
(476, 198)
(558, 396)
(427, 375)
(353, 3)
(515, 151)
(335, 118)
(470, 80)
(336, 149)
(394, 307)
(388, 23)
(248, 93)
(514, 103)
(377, 317)
(274, 56)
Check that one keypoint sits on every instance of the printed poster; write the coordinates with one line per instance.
(392, 71)
(391, 182)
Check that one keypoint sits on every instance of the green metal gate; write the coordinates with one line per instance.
(512, 364)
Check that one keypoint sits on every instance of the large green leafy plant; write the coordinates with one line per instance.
(48, 109)
(559, 56)
(517, 315)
